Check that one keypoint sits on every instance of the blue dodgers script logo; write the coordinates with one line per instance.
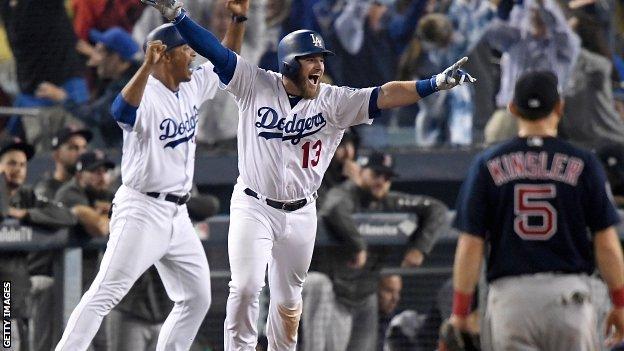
(293, 129)
(181, 133)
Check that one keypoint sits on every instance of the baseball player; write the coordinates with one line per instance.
(289, 127)
(540, 204)
(150, 225)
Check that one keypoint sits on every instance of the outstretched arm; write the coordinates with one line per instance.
(398, 94)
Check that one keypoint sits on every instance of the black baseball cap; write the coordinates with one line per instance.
(67, 132)
(379, 162)
(91, 160)
(17, 144)
(536, 94)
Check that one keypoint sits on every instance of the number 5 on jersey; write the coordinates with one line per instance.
(531, 207)
(316, 149)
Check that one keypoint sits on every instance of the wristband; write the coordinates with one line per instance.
(239, 18)
(461, 303)
(617, 297)
(426, 87)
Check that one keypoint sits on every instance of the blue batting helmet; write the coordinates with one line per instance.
(297, 44)
(168, 34)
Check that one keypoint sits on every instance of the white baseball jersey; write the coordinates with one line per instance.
(283, 152)
(159, 150)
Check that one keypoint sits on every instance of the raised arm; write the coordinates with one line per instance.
(233, 39)
(202, 40)
(125, 105)
(398, 94)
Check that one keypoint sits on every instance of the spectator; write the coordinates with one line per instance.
(42, 52)
(102, 15)
(440, 38)
(88, 194)
(89, 197)
(342, 166)
(367, 37)
(275, 16)
(388, 296)
(531, 36)
(591, 119)
(20, 203)
(68, 145)
(334, 303)
(114, 60)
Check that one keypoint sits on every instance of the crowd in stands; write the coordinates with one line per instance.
(62, 62)
(70, 68)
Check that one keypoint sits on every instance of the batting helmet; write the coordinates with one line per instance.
(297, 44)
(168, 34)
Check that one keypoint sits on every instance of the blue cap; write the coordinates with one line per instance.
(116, 40)
(168, 34)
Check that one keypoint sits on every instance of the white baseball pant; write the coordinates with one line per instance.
(261, 235)
(146, 231)
(543, 311)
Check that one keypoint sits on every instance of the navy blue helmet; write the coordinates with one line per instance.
(297, 44)
(168, 34)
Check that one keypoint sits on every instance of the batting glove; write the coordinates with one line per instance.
(453, 76)
(170, 9)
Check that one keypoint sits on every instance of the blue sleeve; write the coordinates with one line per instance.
(207, 45)
(373, 110)
(471, 204)
(600, 211)
(122, 111)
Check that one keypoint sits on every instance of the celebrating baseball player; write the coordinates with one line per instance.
(150, 225)
(540, 204)
(289, 127)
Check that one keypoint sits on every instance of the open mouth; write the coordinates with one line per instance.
(314, 78)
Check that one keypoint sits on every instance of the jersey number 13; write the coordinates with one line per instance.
(316, 150)
(535, 217)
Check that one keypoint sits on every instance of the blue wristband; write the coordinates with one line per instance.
(426, 87)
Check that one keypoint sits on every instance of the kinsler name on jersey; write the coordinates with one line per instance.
(533, 165)
(293, 129)
(171, 129)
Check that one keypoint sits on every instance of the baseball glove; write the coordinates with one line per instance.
(452, 339)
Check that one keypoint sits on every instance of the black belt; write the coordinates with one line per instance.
(178, 200)
(286, 206)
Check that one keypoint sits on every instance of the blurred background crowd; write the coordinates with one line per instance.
(62, 62)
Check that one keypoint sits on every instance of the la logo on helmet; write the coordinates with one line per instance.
(316, 41)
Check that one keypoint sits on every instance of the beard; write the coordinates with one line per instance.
(307, 91)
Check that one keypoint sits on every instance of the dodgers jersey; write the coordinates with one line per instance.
(537, 201)
(159, 150)
(283, 152)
